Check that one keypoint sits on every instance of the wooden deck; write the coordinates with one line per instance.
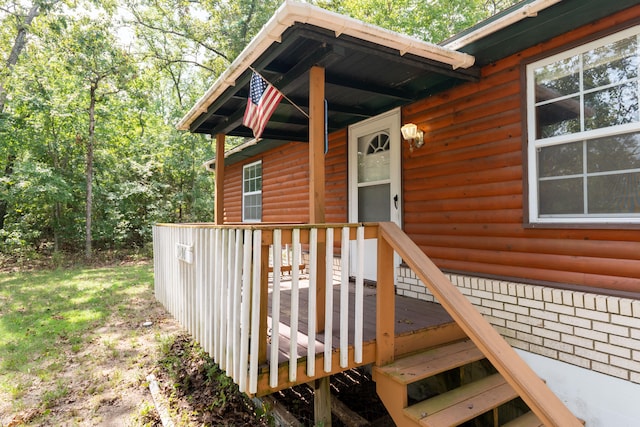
(413, 317)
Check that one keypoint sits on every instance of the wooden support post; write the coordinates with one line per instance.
(322, 395)
(219, 181)
(316, 145)
(385, 304)
(322, 402)
(317, 180)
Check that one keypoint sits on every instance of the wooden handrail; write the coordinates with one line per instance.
(541, 400)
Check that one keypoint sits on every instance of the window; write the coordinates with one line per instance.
(374, 177)
(252, 192)
(584, 133)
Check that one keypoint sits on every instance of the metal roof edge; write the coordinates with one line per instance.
(291, 12)
(516, 13)
(236, 149)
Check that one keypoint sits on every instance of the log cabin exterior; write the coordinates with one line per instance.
(560, 281)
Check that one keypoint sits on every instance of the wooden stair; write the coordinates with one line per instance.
(456, 404)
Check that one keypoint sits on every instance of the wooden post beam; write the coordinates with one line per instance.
(219, 180)
(316, 145)
(316, 180)
(322, 392)
(322, 402)
(385, 304)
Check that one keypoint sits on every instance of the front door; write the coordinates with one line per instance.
(374, 177)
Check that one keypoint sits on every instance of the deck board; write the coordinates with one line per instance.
(412, 315)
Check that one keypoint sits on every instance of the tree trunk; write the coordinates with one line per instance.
(90, 144)
(18, 46)
(4, 205)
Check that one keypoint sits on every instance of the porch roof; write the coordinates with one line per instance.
(369, 70)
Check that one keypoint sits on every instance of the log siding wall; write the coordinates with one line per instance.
(285, 183)
(465, 194)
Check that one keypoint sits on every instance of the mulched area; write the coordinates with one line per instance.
(200, 394)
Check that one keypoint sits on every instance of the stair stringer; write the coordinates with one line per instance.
(394, 397)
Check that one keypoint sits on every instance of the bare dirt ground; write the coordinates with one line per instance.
(105, 383)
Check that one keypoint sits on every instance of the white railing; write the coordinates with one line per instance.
(217, 282)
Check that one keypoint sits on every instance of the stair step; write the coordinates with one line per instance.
(423, 365)
(527, 420)
(463, 403)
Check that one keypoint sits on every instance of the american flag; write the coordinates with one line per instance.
(262, 102)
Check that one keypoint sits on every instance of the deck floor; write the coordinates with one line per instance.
(412, 315)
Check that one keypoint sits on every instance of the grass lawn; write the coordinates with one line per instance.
(73, 347)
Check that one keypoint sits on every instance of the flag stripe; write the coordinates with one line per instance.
(262, 102)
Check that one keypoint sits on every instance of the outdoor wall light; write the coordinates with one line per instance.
(413, 135)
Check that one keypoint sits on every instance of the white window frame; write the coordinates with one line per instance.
(250, 193)
(535, 144)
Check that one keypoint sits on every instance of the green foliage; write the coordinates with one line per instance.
(145, 170)
(35, 189)
(148, 62)
(432, 21)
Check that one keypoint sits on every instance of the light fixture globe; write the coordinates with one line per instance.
(409, 131)
(413, 135)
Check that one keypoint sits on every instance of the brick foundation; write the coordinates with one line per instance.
(596, 332)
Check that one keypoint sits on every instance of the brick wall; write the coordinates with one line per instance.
(337, 270)
(596, 332)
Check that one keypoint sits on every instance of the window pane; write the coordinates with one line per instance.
(613, 106)
(560, 160)
(252, 207)
(610, 64)
(558, 79)
(614, 153)
(561, 196)
(614, 194)
(373, 203)
(558, 118)
(252, 193)
(373, 157)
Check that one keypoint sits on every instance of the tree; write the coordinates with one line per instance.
(105, 70)
(433, 21)
(18, 18)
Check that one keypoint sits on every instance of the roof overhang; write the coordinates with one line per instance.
(368, 70)
(529, 23)
(243, 151)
